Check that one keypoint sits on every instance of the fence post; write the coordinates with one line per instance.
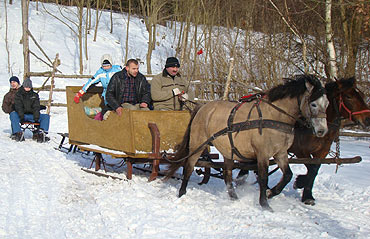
(56, 63)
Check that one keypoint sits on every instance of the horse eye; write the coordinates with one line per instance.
(314, 105)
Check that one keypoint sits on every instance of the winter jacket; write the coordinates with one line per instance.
(162, 94)
(114, 95)
(8, 101)
(27, 102)
(102, 76)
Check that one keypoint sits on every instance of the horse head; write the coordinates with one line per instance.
(349, 101)
(313, 104)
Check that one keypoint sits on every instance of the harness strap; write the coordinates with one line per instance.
(230, 125)
(282, 111)
(246, 125)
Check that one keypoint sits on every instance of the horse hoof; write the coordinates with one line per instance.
(309, 202)
(267, 208)
(233, 195)
(181, 194)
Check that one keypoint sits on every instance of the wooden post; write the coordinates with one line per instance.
(56, 63)
(25, 40)
(228, 81)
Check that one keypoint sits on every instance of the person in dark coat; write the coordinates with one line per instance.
(8, 101)
(128, 89)
(27, 109)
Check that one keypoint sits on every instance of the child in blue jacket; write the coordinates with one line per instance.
(103, 75)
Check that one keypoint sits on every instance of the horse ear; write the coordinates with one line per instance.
(309, 86)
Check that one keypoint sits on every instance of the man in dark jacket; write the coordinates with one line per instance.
(8, 101)
(27, 109)
(128, 89)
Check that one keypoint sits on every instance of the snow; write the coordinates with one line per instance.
(45, 194)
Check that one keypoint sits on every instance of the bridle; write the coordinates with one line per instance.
(350, 113)
(306, 100)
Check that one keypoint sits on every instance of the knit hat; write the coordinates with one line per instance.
(27, 83)
(106, 59)
(14, 78)
(172, 62)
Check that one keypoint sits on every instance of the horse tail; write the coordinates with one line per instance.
(182, 149)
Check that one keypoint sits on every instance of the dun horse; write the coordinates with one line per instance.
(345, 101)
(264, 129)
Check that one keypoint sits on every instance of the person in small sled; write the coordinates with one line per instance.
(102, 75)
(27, 109)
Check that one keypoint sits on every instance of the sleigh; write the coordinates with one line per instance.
(143, 137)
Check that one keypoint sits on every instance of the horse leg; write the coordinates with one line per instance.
(282, 161)
(307, 197)
(262, 178)
(187, 171)
(242, 177)
(228, 178)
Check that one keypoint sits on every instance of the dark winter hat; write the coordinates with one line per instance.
(172, 62)
(27, 83)
(14, 78)
(106, 63)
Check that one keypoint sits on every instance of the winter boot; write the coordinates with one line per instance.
(13, 136)
(35, 135)
(19, 136)
(41, 137)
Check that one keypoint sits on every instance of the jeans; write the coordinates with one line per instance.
(15, 121)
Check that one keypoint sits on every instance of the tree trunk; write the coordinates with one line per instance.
(80, 34)
(352, 38)
(6, 36)
(228, 81)
(111, 16)
(97, 19)
(127, 30)
(332, 64)
(25, 40)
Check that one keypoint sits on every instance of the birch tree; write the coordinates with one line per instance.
(332, 63)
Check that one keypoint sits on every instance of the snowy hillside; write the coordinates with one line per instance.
(45, 194)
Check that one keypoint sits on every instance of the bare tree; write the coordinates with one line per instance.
(75, 25)
(151, 11)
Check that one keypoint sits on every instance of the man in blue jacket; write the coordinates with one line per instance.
(103, 75)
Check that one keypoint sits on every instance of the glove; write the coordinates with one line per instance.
(78, 96)
(176, 91)
(184, 97)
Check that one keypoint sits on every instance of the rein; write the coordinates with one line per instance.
(246, 125)
(350, 113)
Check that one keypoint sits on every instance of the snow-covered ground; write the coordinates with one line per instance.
(45, 194)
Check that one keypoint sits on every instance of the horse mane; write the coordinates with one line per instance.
(345, 83)
(294, 87)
